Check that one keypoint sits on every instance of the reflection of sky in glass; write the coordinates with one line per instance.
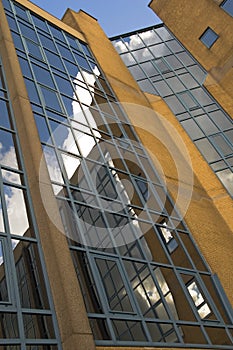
(16, 210)
(198, 299)
(7, 150)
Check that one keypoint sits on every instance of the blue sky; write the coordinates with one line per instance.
(114, 16)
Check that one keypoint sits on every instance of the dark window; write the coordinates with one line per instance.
(209, 37)
(227, 6)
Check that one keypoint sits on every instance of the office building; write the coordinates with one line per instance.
(115, 188)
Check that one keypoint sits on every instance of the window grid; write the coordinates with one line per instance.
(202, 117)
(17, 237)
(106, 329)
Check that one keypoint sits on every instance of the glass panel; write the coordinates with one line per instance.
(4, 114)
(25, 67)
(63, 137)
(38, 326)
(34, 49)
(137, 72)
(52, 164)
(227, 5)
(7, 150)
(209, 37)
(30, 276)
(16, 210)
(99, 329)
(114, 286)
(51, 99)
(32, 91)
(206, 124)
(43, 76)
(193, 334)
(221, 120)
(202, 306)
(175, 105)
(47, 43)
(9, 326)
(128, 330)
(42, 128)
(222, 145)
(226, 178)
(3, 280)
(192, 129)
(207, 150)
(2, 226)
(175, 84)
(218, 335)
(28, 32)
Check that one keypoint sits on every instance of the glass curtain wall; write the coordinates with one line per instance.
(142, 277)
(27, 319)
(162, 66)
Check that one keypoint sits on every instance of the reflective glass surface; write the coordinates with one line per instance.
(178, 78)
(133, 262)
(209, 37)
(25, 302)
(227, 6)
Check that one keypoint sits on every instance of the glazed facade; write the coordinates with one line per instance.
(142, 277)
(162, 66)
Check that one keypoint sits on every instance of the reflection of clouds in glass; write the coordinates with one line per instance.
(8, 156)
(71, 164)
(136, 46)
(16, 210)
(198, 299)
(133, 42)
(11, 177)
(52, 164)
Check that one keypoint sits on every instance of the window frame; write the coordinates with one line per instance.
(207, 32)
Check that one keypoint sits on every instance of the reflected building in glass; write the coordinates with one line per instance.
(114, 229)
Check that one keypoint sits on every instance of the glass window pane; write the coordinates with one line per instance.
(47, 43)
(227, 5)
(25, 67)
(34, 49)
(63, 137)
(207, 150)
(50, 99)
(9, 326)
(42, 129)
(206, 124)
(16, 210)
(114, 286)
(52, 164)
(29, 275)
(175, 84)
(226, 177)
(221, 120)
(43, 76)
(28, 32)
(3, 283)
(222, 145)
(4, 114)
(32, 91)
(175, 105)
(54, 60)
(209, 37)
(7, 150)
(38, 326)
